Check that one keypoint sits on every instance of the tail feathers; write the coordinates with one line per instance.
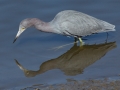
(108, 27)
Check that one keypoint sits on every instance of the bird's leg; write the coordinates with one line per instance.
(79, 38)
(107, 37)
(76, 39)
(81, 42)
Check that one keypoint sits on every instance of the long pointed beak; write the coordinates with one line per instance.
(18, 34)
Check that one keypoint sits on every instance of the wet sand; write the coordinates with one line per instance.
(104, 84)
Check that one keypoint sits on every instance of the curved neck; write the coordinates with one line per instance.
(40, 25)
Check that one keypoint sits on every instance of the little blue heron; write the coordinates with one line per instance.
(69, 23)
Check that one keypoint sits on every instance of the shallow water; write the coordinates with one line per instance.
(38, 53)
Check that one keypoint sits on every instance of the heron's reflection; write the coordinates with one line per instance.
(74, 61)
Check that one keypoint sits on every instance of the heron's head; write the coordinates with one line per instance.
(23, 26)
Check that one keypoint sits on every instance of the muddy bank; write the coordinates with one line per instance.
(104, 84)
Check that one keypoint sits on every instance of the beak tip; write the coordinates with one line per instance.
(15, 39)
